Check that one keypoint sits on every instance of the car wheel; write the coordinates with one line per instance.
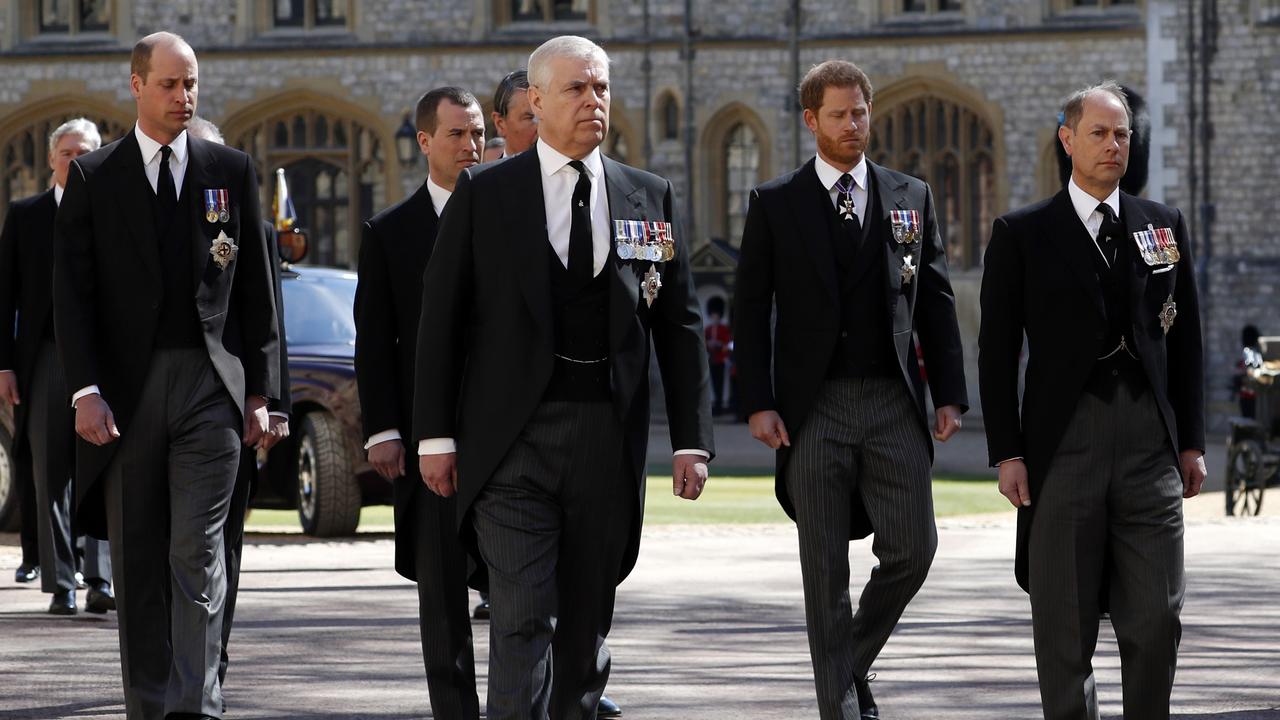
(328, 494)
(10, 515)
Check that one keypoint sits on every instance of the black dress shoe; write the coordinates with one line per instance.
(99, 599)
(63, 603)
(26, 573)
(482, 610)
(866, 703)
(608, 708)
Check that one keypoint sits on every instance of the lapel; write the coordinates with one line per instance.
(136, 196)
(804, 192)
(530, 245)
(419, 219)
(202, 174)
(626, 202)
(1134, 219)
(891, 194)
(1071, 244)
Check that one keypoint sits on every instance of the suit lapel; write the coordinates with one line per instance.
(626, 202)
(530, 245)
(201, 175)
(804, 192)
(1074, 247)
(891, 196)
(135, 195)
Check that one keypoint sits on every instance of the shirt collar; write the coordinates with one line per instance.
(829, 175)
(1086, 204)
(57, 194)
(150, 148)
(439, 196)
(553, 161)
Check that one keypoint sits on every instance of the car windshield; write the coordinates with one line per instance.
(317, 309)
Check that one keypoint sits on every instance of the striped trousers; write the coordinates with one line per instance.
(862, 440)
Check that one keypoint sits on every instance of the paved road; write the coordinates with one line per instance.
(710, 625)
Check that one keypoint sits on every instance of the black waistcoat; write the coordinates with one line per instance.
(580, 321)
(1114, 280)
(179, 326)
(865, 347)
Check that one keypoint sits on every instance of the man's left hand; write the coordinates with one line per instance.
(1193, 472)
(279, 430)
(947, 422)
(257, 421)
(688, 475)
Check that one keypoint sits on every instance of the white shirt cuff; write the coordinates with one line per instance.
(379, 438)
(1008, 460)
(6, 371)
(277, 413)
(693, 451)
(436, 446)
(90, 390)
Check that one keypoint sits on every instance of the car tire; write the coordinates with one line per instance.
(10, 514)
(329, 497)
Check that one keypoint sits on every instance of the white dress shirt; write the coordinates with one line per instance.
(558, 182)
(829, 175)
(1086, 207)
(439, 198)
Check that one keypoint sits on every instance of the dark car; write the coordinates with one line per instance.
(321, 469)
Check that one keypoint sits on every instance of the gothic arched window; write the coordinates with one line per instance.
(741, 173)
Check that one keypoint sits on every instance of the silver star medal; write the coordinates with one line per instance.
(908, 270)
(846, 207)
(1168, 314)
(223, 250)
(651, 284)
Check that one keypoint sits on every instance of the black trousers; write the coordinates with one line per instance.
(233, 542)
(553, 525)
(168, 490)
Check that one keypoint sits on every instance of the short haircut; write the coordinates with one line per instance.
(495, 142)
(425, 117)
(562, 46)
(205, 130)
(83, 127)
(832, 73)
(140, 60)
(514, 82)
(1074, 106)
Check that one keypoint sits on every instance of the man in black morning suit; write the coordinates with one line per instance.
(393, 256)
(1111, 432)
(531, 393)
(850, 255)
(167, 326)
(31, 380)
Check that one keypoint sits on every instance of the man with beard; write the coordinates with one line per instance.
(850, 253)
(396, 246)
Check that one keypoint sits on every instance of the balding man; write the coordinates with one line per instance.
(1110, 435)
(167, 330)
(513, 117)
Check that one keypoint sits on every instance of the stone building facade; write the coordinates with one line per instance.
(966, 96)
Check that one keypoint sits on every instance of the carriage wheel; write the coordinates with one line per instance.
(1244, 478)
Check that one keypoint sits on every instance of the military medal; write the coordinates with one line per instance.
(622, 240)
(1168, 314)
(846, 199)
(908, 270)
(651, 284)
(906, 226)
(223, 250)
(216, 202)
(1157, 245)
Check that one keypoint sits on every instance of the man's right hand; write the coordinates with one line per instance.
(1013, 483)
(440, 473)
(94, 421)
(387, 458)
(9, 387)
(766, 426)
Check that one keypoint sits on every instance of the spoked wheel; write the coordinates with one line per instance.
(1244, 478)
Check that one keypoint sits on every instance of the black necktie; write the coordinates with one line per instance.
(847, 213)
(580, 256)
(1108, 234)
(166, 195)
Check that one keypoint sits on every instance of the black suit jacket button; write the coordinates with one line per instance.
(844, 333)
